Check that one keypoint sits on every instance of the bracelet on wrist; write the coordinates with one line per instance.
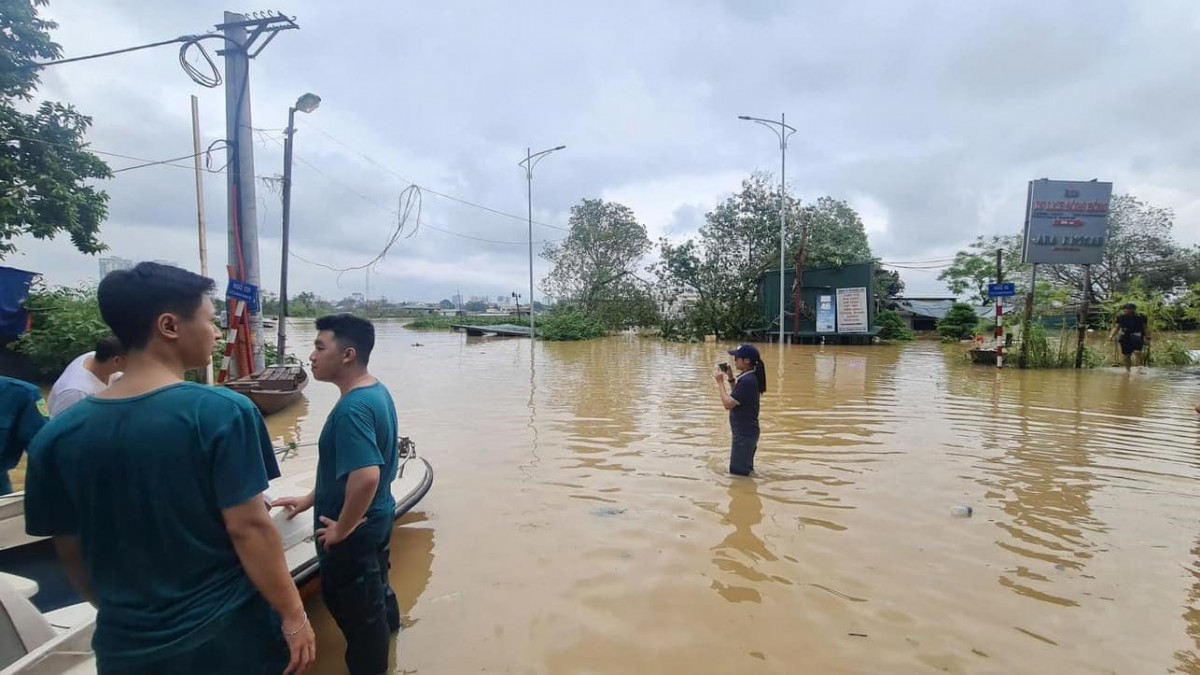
(303, 625)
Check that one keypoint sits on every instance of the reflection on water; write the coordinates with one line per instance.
(581, 519)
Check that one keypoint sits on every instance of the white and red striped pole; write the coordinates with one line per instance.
(999, 311)
(999, 332)
(235, 314)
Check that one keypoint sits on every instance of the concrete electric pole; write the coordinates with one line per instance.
(242, 43)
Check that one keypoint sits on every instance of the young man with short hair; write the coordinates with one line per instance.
(87, 375)
(354, 517)
(153, 493)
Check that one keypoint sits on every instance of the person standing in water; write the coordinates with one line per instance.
(742, 404)
(358, 454)
(1134, 329)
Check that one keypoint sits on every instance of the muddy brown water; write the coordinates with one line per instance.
(581, 520)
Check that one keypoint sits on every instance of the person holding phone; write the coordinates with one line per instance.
(742, 403)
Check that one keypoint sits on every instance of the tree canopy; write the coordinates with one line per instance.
(44, 162)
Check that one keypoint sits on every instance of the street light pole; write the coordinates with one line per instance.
(782, 130)
(306, 103)
(530, 161)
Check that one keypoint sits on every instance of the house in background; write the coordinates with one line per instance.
(922, 314)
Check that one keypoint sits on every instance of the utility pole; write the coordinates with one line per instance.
(783, 130)
(1027, 322)
(206, 375)
(530, 161)
(1083, 315)
(242, 35)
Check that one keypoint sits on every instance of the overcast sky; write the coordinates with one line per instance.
(928, 117)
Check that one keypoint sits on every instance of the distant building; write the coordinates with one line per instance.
(113, 263)
(501, 299)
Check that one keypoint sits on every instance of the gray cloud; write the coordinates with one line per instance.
(931, 115)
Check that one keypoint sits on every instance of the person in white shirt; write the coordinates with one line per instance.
(88, 374)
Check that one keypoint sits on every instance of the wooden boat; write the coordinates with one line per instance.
(59, 642)
(985, 357)
(273, 388)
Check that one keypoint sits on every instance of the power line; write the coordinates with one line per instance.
(410, 197)
(431, 191)
(112, 53)
(211, 79)
(386, 209)
(161, 162)
(144, 161)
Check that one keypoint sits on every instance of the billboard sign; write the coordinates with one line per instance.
(1066, 222)
(852, 310)
(826, 317)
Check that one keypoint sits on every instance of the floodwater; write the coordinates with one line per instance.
(581, 520)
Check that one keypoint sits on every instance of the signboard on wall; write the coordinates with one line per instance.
(1066, 222)
(826, 316)
(852, 316)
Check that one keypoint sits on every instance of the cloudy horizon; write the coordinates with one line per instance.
(927, 117)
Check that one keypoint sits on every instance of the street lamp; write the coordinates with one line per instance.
(517, 298)
(530, 161)
(782, 131)
(305, 104)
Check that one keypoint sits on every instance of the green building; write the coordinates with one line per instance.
(838, 305)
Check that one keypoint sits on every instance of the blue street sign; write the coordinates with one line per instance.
(1002, 290)
(248, 293)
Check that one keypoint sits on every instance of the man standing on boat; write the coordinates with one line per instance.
(358, 456)
(88, 374)
(153, 493)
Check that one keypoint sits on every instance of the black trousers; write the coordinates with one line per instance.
(354, 584)
(741, 457)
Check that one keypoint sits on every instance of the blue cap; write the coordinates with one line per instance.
(745, 352)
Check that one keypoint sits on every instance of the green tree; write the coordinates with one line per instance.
(1140, 246)
(595, 267)
(891, 326)
(445, 304)
(975, 268)
(44, 161)
(66, 323)
(307, 304)
(475, 306)
(836, 235)
(739, 241)
(888, 287)
(959, 323)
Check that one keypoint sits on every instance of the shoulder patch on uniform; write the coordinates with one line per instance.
(42, 407)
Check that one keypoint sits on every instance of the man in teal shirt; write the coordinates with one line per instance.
(22, 416)
(357, 462)
(152, 491)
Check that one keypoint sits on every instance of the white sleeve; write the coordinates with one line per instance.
(65, 399)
